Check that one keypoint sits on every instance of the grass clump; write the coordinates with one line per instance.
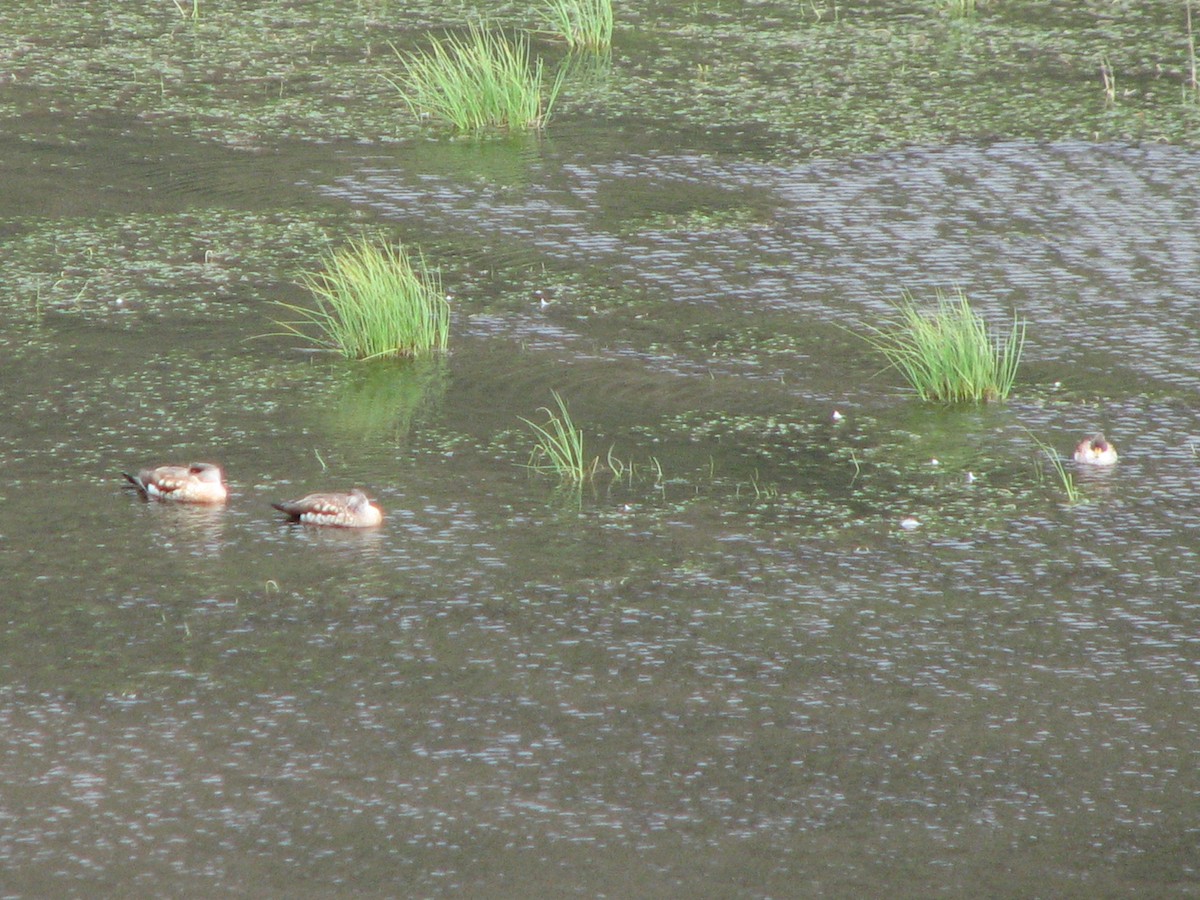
(478, 81)
(583, 24)
(374, 300)
(949, 354)
(559, 447)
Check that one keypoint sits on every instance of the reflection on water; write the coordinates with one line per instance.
(350, 543)
(381, 400)
(189, 528)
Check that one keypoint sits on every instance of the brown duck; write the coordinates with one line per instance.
(351, 510)
(194, 483)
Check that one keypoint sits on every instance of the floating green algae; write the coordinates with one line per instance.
(209, 263)
(800, 79)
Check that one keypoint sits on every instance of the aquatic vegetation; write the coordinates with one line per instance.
(850, 485)
(583, 24)
(93, 269)
(1110, 81)
(950, 355)
(590, 75)
(374, 300)
(762, 491)
(712, 219)
(820, 12)
(622, 469)
(480, 81)
(958, 9)
(1065, 478)
(193, 13)
(212, 88)
(1192, 88)
(559, 447)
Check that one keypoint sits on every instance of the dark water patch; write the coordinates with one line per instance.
(62, 163)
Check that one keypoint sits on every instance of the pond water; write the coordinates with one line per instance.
(731, 670)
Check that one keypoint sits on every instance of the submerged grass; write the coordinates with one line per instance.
(949, 354)
(374, 300)
(583, 24)
(559, 447)
(478, 81)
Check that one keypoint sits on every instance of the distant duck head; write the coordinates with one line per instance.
(1095, 451)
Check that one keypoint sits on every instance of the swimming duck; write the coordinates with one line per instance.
(195, 483)
(1095, 451)
(352, 510)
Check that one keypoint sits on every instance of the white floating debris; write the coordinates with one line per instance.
(910, 523)
(970, 478)
(935, 462)
(837, 416)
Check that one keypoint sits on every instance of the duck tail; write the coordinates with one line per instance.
(288, 509)
(136, 482)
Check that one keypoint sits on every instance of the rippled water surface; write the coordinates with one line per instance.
(734, 670)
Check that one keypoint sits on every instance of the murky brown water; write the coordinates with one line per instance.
(740, 677)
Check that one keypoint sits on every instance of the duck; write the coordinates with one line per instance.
(349, 510)
(1095, 451)
(193, 483)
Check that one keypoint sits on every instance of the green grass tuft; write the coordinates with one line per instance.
(949, 355)
(559, 446)
(477, 82)
(583, 24)
(374, 300)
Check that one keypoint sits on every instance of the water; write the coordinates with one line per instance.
(730, 672)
